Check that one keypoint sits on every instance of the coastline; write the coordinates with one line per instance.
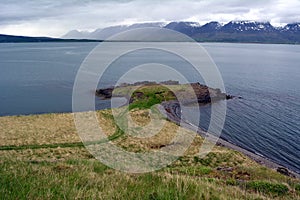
(169, 110)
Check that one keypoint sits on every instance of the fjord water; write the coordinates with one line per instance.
(267, 118)
(39, 77)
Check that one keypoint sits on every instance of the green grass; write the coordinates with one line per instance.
(146, 97)
(89, 179)
(42, 146)
(267, 187)
(92, 180)
(192, 170)
(297, 188)
(41, 157)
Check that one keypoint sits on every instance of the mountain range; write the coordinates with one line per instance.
(234, 31)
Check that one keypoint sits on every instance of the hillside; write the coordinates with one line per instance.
(42, 157)
(24, 39)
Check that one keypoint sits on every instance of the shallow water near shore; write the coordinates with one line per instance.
(39, 77)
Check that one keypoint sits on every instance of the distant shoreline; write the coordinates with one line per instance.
(99, 41)
(28, 39)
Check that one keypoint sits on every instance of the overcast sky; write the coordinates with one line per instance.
(56, 17)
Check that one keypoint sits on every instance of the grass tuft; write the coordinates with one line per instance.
(267, 187)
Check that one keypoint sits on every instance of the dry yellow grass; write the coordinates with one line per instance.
(74, 173)
(37, 129)
(60, 128)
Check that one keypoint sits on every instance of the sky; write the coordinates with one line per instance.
(55, 18)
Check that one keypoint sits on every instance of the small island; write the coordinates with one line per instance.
(153, 93)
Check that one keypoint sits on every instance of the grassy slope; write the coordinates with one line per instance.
(42, 158)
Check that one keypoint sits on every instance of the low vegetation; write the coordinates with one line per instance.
(297, 188)
(42, 157)
(143, 97)
(268, 187)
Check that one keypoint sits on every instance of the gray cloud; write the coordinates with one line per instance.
(56, 17)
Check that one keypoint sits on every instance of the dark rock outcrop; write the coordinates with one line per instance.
(284, 171)
(105, 93)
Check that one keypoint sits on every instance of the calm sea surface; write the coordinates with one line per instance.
(39, 77)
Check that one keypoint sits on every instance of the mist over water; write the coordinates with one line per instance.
(39, 77)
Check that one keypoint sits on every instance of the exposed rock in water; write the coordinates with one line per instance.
(105, 93)
(284, 171)
(205, 94)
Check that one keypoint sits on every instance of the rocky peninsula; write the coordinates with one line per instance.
(168, 94)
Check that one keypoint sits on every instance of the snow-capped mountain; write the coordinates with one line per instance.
(234, 31)
(294, 27)
(248, 26)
